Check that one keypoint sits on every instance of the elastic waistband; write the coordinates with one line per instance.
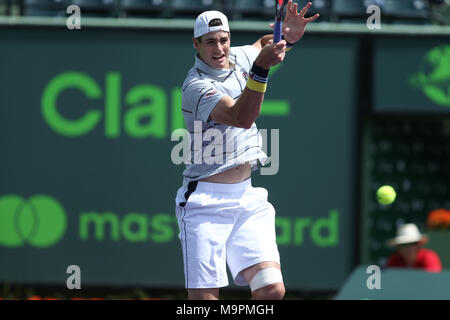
(223, 187)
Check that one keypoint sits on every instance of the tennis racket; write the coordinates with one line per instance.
(279, 7)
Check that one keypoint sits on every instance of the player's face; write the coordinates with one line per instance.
(214, 49)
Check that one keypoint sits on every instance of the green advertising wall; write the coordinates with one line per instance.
(86, 174)
(412, 74)
(86, 119)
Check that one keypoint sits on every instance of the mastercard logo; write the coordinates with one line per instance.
(39, 221)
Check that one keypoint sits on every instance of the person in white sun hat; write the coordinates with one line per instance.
(410, 252)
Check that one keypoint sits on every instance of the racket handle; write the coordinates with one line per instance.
(277, 32)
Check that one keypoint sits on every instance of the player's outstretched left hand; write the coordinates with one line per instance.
(294, 24)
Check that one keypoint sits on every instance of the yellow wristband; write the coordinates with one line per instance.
(256, 86)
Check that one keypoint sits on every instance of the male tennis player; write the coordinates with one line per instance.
(223, 219)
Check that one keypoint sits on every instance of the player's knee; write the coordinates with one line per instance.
(267, 284)
(273, 291)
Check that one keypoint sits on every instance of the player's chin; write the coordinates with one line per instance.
(219, 63)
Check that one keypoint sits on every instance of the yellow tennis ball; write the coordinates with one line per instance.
(386, 195)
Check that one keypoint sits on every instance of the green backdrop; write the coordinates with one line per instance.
(86, 173)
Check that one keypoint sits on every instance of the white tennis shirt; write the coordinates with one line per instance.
(201, 91)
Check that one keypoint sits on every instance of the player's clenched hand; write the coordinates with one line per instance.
(271, 54)
(294, 24)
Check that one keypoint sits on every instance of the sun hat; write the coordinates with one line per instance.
(209, 21)
(407, 233)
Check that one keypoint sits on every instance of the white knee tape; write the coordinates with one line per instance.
(265, 277)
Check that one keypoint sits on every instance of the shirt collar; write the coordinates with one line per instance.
(216, 73)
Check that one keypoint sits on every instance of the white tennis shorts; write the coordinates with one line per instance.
(224, 224)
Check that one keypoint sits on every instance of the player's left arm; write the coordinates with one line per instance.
(294, 24)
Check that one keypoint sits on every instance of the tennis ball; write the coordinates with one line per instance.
(386, 195)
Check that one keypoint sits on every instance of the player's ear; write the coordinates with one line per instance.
(195, 43)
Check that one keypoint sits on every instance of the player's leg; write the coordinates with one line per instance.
(265, 284)
(205, 224)
(252, 252)
(203, 294)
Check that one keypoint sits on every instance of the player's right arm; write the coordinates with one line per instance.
(263, 41)
(243, 112)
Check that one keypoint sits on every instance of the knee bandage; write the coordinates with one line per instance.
(264, 277)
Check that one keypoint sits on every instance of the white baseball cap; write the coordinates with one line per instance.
(209, 21)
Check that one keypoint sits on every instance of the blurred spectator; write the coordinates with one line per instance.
(409, 253)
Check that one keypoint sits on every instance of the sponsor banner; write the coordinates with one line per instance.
(412, 75)
(86, 173)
